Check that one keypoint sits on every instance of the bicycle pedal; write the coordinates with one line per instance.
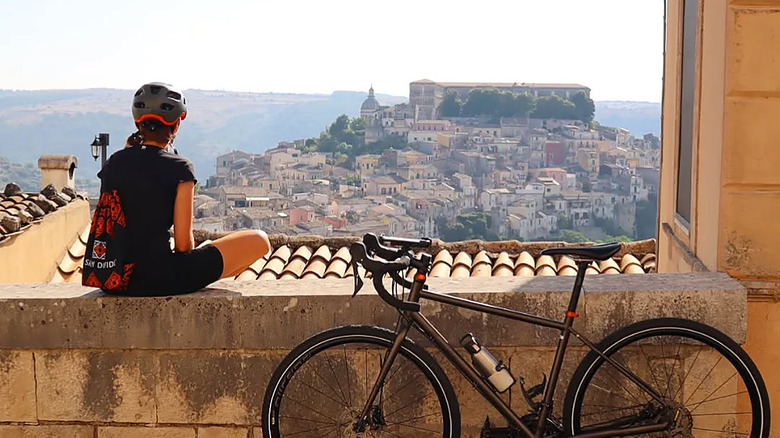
(497, 432)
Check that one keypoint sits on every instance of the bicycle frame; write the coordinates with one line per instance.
(420, 322)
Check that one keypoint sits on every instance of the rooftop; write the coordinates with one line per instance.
(19, 210)
(301, 257)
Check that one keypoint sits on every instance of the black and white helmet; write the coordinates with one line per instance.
(159, 101)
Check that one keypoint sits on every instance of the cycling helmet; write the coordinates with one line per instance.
(159, 101)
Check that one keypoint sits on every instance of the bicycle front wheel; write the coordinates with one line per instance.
(708, 386)
(320, 388)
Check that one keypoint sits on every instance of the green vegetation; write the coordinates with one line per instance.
(466, 227)
(495, 103)
(572, 236)
(346, 139)
(26, 175)
(646, 217)
(486, 102)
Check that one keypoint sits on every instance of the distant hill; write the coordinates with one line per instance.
(638, 117)
(33, 123)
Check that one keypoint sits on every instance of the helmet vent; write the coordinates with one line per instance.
(174, 95)
(166, 107)
(139, 105)
(155, 89)
(139, 92)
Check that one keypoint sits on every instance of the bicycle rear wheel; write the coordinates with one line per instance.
(320, 388)
(709, 386)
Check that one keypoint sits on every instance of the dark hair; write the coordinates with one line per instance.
(153, 130)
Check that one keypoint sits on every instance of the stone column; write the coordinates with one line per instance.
(59, 170)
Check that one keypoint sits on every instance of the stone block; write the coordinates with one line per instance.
(30, 431)
(750, 146)
(96, 386)
(753, 52)
(750, 246)
(17, 386)
(146, 432)
(249, 316)
(213, 387)
(223, 432)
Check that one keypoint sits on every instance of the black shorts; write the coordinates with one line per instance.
(179, 273)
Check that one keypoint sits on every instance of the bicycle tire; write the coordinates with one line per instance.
(723, 414)
(325, 345)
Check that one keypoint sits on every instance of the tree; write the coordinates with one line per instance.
(610, 239)
(450, 105)
(646, 216)
(572, 236)
(554, 107)
(469, 226)
(585, 107)
(481, 101)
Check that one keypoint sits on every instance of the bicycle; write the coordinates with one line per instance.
(370, 381)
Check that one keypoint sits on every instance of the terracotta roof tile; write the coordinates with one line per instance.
(247, 275)
(481, 266)
(545, 266)
(18, 210)
(566, 266)
(77, 250)
(69, 264)
(630, 265)
(503, 267)
(297, 264)
(648, 262)
(253, 271)
(442, 264)
(609, 266)
(69, 268)
(461, 267)
(593, 268)
(315, 269)
(525, 265)
(276, 263)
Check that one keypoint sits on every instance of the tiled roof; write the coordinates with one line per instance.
(294, 257)
(19, 210)
(318, 257)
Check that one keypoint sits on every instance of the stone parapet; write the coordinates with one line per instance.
(78, 363)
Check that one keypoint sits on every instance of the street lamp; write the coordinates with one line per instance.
(99, 147)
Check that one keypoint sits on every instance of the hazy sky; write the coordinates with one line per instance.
(318, 46)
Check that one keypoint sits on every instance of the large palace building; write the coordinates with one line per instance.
(426, 95)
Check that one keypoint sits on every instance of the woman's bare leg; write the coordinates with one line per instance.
(241, 249)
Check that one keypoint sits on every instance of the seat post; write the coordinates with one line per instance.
(582, 266)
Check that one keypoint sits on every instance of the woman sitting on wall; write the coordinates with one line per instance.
(156, 189)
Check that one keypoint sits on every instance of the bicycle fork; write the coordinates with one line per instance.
(401, 331)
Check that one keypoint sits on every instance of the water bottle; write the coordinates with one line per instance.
(493, 370)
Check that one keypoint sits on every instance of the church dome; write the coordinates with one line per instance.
(370, 104)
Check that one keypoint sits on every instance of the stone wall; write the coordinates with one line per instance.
(77, 363)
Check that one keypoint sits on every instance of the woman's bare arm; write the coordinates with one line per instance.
(182, 217)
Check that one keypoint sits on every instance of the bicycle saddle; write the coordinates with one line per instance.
(595, 252)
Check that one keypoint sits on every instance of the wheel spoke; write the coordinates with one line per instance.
(309, 408)
(307, 419)
(312, 402)
(346, 368)
(713, 392)
(332, 370)
(721, 431)
(701, 390)
(314, 368)
(406, 405)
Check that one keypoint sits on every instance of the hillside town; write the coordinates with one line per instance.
(526, 178)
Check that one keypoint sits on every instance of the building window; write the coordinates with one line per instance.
(687, 96)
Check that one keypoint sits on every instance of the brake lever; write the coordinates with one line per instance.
(358, 280)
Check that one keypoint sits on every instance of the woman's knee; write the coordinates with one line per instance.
(261, 242)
